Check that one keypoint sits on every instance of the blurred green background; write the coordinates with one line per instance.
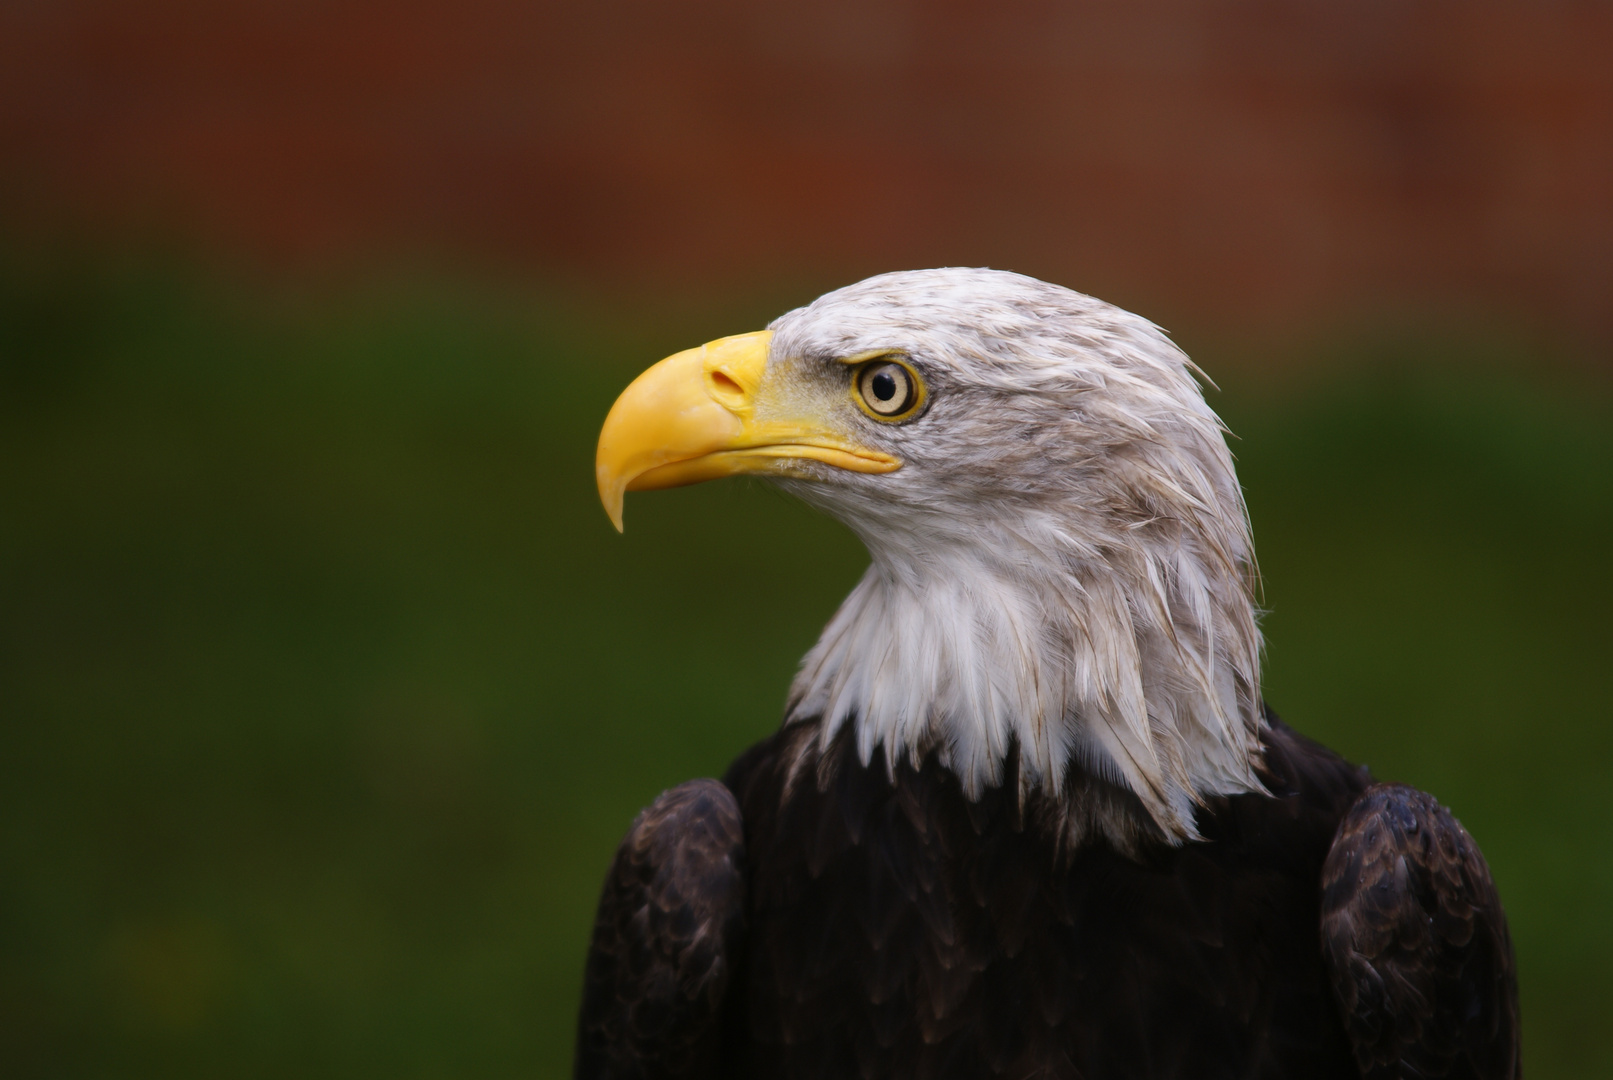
(326, 688)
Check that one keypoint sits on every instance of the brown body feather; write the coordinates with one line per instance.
(1416, 943)
(827, 919)
(668, 931)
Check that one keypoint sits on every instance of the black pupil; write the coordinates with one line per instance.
(884, 385)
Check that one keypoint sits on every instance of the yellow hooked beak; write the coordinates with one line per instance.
(693, 417)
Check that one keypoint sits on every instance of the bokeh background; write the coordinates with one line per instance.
(325, 687)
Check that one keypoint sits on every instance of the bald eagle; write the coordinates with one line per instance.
(1027, 814)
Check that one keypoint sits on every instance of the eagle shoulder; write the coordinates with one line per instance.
(1416, 943)
(665, 939)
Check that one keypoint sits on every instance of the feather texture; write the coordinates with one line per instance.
(1417, 944)
(896, 928)
(665, 940)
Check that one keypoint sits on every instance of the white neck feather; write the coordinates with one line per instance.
(1062, 566)
(1138, 665)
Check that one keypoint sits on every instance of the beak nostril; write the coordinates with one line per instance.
(724, 383)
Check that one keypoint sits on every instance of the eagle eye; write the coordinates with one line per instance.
(887, 389)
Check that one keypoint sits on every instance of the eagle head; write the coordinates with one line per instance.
(1060, 559)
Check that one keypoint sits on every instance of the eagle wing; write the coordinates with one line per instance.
(665, 940)
(1416, 942)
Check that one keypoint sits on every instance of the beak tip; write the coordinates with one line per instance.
(611, 495)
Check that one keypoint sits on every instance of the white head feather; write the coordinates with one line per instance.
(1063, 562)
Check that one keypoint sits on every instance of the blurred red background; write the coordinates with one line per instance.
(1253, 166)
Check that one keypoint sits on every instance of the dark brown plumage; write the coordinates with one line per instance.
(813, 917)
(666, 939)
(1416, 942)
